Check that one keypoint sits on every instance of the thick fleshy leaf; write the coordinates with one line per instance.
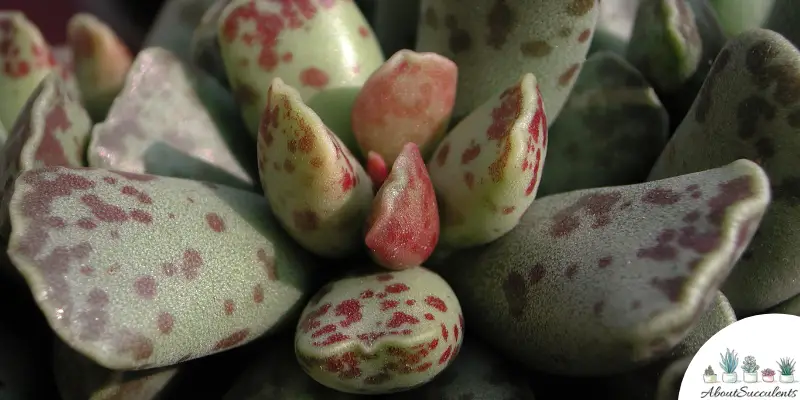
(380, 333)
(101, 62)
(408, 99)
(335, 108)
(669, 385)
(160, 124)
(316, 188)
(626, 270)
(495, 42)
(791, 306)
(261, 40)
(377, 169)
(138, 271)
(614, 26)
(738, 16)
(25, 59)
(403, 227)
(611, 130)
(718, 316)
(747, 108)
(665, 44)
(276, 375)
(79, 378)
(205, 51)
(174, 25)
(487, 170)
(52, 130)
(477, 373)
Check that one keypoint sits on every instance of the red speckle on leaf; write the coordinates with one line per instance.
(86, 223)
(268, 263)
(165, 322)
(469, 180)
(351, 310)
(536, 128)
(363, 31)
(597, 205)
(215, 222)
(403, 227)
(389, 304)
(229, 306)
(436, 303)
(662, 251)
(441, 156)
(141, 216)
(139, 195)
(137, 345)
(429, 316)
(567, 76)
(604, 262)
(258, 294)
(397, 288)
(470, 153)
(306, 220)
(145, 287)
(584, 36)
(446, 355)
(384, 277)
(192, 261)
(400, 318)
(661, 196)
(232, 340)
(314, 77)
(110, 180)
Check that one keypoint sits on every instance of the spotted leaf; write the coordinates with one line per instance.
(52, 130)
(380, 333)
(494, 42)
(101, 62)
(261, 40)
(665, 44)
(205, 49)
(749, 107)
(626, 270)
(164, 123)
(79, 378)
(138, 271)
(403, 226)
(611, 130)
(408, 99)
(316, 188)
(487, 170)
(25, 59)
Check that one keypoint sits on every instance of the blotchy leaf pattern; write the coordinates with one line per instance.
(494, 42)
(101, 62)
(261, 40)
(749, 107)
(403, 227)
(25, 59)
(627, 271)
(487, 170)
(317, 189)
(611, 130)
(380, 333)
(138, 271)
(160, 125)
(407, 100)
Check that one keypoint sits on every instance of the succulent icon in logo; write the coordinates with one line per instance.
(750, 368)
(768, 375)
(709, 376)
(786, 366)
(728, 362)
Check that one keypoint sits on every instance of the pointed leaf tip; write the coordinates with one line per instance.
(315, 186)
(408, 99)
(403, 228)
(487, 170)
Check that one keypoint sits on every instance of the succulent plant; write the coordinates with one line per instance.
(786, 366)
(768, 372)
(536, 191)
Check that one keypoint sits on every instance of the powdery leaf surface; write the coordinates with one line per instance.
(593, 282)
(408, 99)
(101, 62)
(138, 271)
(477, 374)
(748, 108)
(610, 132)
(403, 227)
(276, 374)
(261, 40)
(159, 125)
(495, 42)
(487, 170)
(79, 378)
(316, 188)
(717, 317)
(204, 47)
(380, 333)
(665, 44)
(52, 130)
(25, 59)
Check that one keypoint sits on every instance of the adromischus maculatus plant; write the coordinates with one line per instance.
(505, 138)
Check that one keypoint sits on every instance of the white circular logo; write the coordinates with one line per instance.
(756, 357)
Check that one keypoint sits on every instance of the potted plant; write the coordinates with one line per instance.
(729, 362)
(750, 369)
(709, 376)
(787, 370)
(768, 375)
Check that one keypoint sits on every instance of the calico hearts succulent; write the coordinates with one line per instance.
(259, 165)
